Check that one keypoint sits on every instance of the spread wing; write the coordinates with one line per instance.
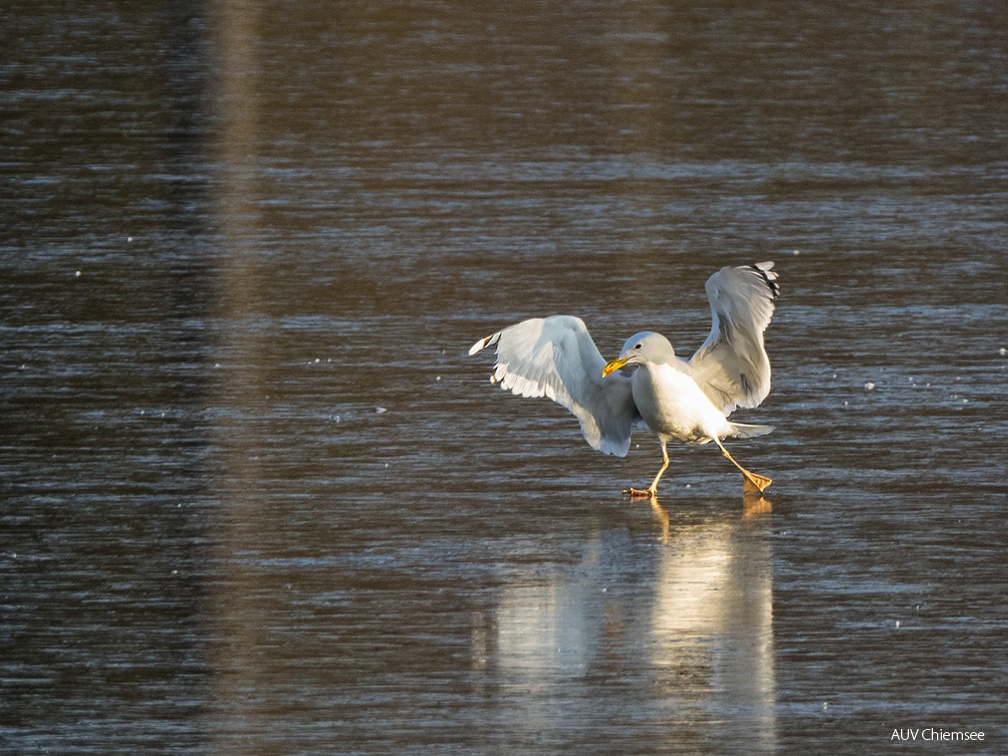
(556, 357)
(732, 367)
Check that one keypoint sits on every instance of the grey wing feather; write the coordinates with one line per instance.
(732, 367)
(557, 358)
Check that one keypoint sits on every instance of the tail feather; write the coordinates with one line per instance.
(745, 430)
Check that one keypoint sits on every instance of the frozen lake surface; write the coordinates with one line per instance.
(255, 498)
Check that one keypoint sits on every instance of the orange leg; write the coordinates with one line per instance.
(651, 491)
(759, 482)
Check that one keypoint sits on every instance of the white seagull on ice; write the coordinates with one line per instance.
(680, 400)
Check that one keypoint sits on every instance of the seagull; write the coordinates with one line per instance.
(679, 400)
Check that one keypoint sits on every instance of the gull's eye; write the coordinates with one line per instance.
(638, 346)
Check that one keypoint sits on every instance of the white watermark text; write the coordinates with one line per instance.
(931, 733)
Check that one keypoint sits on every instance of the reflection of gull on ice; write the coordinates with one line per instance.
(692, 624)
(549, 628)
(713, 611)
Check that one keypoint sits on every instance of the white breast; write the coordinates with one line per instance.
(673, 405)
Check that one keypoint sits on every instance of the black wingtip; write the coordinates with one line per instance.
(769, 278)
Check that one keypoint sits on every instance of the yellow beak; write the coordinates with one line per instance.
(614, 365)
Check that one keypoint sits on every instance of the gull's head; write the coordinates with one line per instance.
(643, 347)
